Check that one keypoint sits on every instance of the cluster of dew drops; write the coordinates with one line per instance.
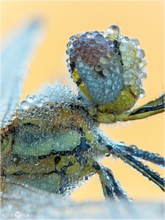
(132, 56)
(43, 110)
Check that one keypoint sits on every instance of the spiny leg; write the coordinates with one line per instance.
(136, 164)
(111, 188)
(144, 155)
(117, 198)
(151, 108)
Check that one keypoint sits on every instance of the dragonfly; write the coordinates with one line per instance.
(51, 141)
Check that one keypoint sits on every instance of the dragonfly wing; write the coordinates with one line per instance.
(15, 56)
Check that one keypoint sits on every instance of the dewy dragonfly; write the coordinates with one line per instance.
(51, 140)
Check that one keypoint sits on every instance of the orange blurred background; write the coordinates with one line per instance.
(62, 19)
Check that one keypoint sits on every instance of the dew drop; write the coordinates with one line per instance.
(140, 53)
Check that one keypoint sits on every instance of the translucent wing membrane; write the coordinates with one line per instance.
(15, 56)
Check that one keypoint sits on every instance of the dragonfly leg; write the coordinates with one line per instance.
(144, 155)
(151, 108)
(139, 166)
(111, 187)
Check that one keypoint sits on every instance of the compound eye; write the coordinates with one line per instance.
(108, 64)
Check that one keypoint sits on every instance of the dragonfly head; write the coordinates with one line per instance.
(107, 66)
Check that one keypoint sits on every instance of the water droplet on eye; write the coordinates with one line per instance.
(113, 87)
(135, 42)
(99, 38)
(83, 38)
(79, 58)
(109, 82)
(98, 68)
(92, 42)
(103, 60)
(106, 91)
(80, 64)
(106, 72)
(140, 54)
(109, 55)
(113, 32)
(117, 69)
(114, 28)
(72, 38)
